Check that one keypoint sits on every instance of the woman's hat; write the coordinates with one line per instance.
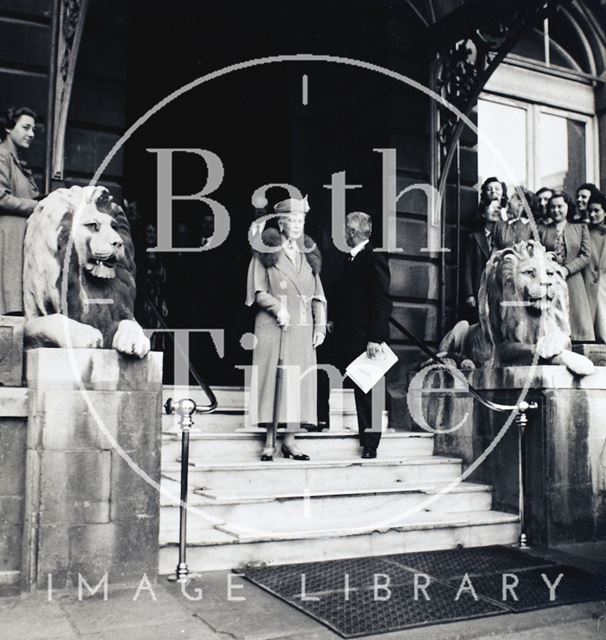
(292, 205)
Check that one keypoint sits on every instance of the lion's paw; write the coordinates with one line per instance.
(130, 339)
(468, 365)
(577, 363)
(83, 336)
(552, 344)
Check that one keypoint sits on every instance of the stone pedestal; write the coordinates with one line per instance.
(93, 457)
(11, 351)
(595, 352)
(565, 448)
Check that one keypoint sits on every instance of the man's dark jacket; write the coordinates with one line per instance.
(361, 306)
(477, 252)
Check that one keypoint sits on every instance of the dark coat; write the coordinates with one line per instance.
(477, 252)
(506, 234)
(361, 306)
(17, 193)
(578, 251)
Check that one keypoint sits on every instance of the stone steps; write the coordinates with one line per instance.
(235, 419)
(247, 478)
(313, 510)
(231, 414)
(224, 548)
(336, 505)
(234, 397)
(247, 445)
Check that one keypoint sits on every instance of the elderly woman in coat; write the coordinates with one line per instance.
(17, 193)
(284, 285)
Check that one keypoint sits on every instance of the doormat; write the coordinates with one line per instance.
(364, 596)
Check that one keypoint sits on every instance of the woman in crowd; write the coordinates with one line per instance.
(493, 196)
(290, 323)
(518, 227)
(543, 194)
(572, 247)
(478, 247)
(17, 201)
(584, 192)
(595, 272)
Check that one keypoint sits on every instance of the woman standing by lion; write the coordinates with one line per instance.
(17, 201)
(284, 284)
(571, 244)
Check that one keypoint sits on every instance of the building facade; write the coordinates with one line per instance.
(381, 93)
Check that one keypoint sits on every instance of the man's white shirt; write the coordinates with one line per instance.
(359, 247)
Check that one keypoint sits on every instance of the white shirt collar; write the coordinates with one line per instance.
(359, 247)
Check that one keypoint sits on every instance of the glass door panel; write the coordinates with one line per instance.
(561, 152)
(502, 143)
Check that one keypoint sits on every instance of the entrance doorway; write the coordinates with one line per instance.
(257, 122)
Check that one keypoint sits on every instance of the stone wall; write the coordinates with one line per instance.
(565, 447)
(93, 467)
(13, 423)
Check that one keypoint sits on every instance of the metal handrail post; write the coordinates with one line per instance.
(184, 409)
(522, 423)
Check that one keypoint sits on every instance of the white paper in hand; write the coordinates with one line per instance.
(366, 372)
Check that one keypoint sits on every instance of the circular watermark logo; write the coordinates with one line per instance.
(215, 173)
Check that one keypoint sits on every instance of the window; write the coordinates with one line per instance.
(534, 145)
(537, 115)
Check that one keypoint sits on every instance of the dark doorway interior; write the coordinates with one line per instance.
(256, 121)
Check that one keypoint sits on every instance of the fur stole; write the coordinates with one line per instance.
(273, 238)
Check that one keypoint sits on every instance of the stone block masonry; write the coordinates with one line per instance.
(565, 448)
(94, 432)
(11, 351)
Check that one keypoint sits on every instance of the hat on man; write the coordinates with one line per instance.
(292, 205)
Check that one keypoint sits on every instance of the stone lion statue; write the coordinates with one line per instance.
(79, 274)
(523, 309)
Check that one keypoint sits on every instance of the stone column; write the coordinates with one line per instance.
(565, 449)
(93, 456)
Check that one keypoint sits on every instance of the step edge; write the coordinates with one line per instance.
(320, 464)
(502, 519)
(226, 499)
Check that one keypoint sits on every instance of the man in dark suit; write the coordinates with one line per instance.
(360, 311)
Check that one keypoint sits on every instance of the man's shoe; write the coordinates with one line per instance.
(368, 453)
(315, 428)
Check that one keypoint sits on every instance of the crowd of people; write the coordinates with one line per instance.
(573, 229)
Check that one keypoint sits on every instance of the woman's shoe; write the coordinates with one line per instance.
(268, 454)
(287, 453)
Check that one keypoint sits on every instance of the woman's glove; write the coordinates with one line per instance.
(318, 339)
(283, 317)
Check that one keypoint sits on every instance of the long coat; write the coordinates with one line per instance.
(274, 281)
(578, 250)
(595, 281)
(17, 193)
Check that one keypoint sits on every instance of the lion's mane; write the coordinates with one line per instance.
(505, 313)
(47, 289)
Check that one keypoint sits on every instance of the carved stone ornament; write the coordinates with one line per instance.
(71, 25)
(465, 66)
